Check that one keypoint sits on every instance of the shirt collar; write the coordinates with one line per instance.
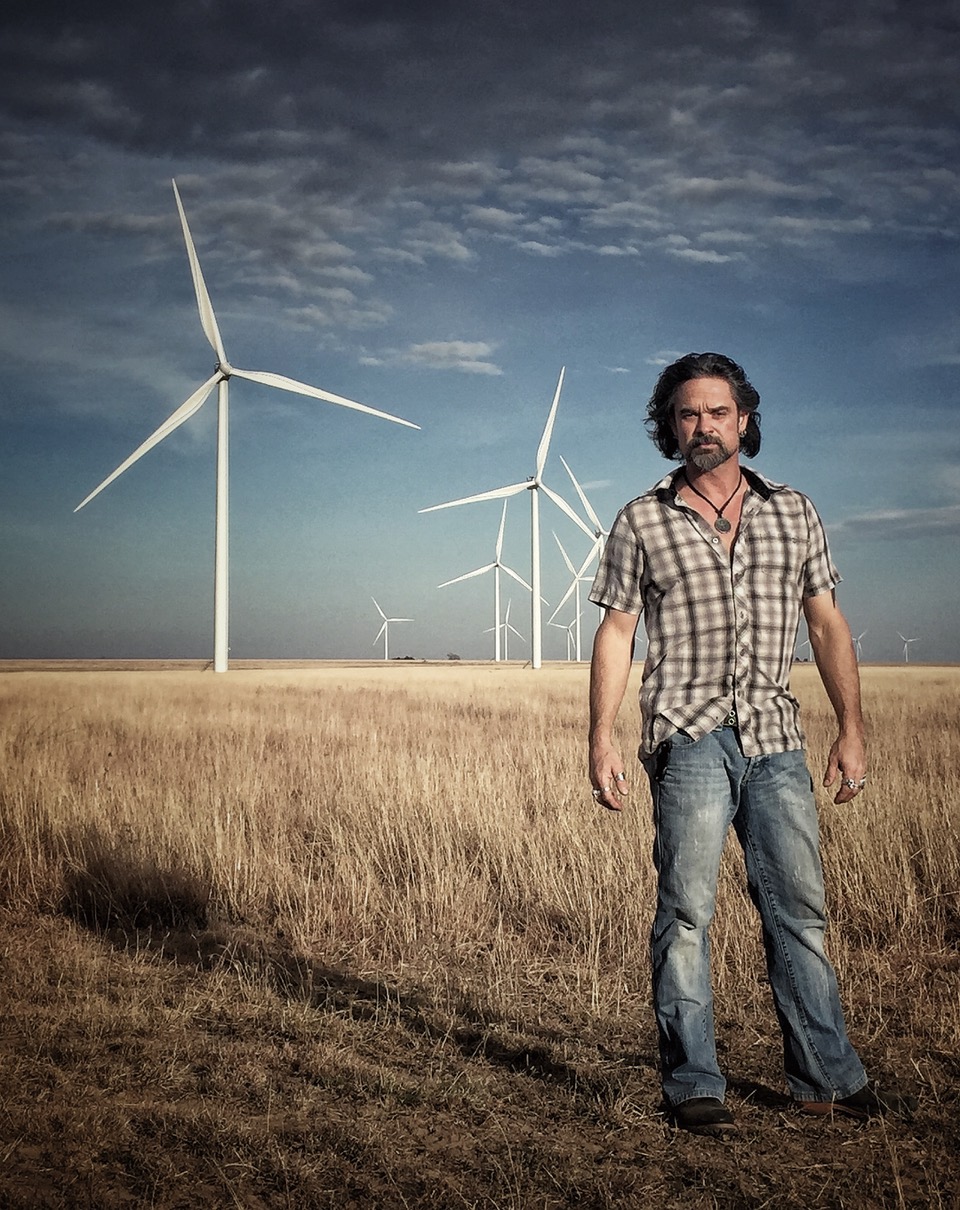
(666, 489)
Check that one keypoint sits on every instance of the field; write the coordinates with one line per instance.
(356, 936)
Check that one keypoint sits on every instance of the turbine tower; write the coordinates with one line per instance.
(534, 485)
(496, 567)
(221, 378)
(385, 629)
(906, 647)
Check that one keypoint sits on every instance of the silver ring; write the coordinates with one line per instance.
(621, 776)
(855, 785)
(595, 793)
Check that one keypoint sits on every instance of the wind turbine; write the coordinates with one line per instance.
(506, 626)
(220, 378)
(496, 567)
(599, 536)
(906, 647)
(856, 643)
(569, 630)
(385, 629)
(534, 485)
(578, 579)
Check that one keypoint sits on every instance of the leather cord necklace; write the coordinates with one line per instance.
(721, 525)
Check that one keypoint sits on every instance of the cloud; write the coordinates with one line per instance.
(469, 357)
(493, 216)
(701, 256)
(536, 248)
(894, 524)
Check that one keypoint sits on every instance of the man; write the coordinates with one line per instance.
(721, 561)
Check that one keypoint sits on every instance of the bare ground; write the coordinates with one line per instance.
(189, 1068)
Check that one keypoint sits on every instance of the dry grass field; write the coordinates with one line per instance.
(337, 936)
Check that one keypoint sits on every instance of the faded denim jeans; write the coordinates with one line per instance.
(699, 789)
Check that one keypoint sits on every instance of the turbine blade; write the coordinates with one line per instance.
(503, 521)
(565, 508)
(208, 320)
(516, 632)
(379, 633)
(594, 551)
(587, 507)
(519, 579)
(566, 557)
(498, 493)
(173, 421)
(468, 575)
(544, 446)
(301, 388)
(563, 600)
(399, 619)
(379, 610)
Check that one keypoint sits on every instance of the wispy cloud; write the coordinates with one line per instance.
(892, 524)
(469, 357)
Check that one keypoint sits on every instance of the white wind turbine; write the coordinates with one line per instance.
(906, 647)
(857, 645)
(535, 485)
(220, 378)
(385, 629)
(505, 624)
(569, 630)
(578, 579)
(599, 536)
(496, 567)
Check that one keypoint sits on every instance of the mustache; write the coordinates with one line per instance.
(704, 440)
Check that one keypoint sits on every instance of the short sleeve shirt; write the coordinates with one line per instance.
(721, 628)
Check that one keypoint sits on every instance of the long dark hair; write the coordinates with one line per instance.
(659, 420)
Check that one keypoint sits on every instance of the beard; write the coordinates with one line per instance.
(707, 454)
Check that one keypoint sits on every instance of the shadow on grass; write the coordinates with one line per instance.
(131, 902)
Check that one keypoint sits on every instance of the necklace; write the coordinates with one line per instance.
(721, 525)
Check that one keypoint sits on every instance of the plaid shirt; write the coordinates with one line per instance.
(721, 629)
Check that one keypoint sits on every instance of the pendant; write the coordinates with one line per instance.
(722, 525)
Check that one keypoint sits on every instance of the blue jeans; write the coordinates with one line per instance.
(699, 788)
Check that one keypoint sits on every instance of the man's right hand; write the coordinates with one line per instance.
(608, 779)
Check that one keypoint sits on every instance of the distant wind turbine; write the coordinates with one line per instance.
(496, 567)
(220, 378)
(506, 626)
(385, 629)
(856, 643)
(534, 485)
(578, 579)
(906, 647)
(569, 631)
(599, 536)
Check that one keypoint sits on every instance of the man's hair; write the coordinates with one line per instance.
(659, 420)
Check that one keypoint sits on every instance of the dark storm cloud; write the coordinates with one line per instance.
(334, 140)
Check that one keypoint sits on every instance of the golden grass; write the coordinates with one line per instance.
(337, 834)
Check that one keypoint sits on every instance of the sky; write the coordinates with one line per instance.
(431, 209)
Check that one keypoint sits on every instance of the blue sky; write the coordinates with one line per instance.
(431, 209)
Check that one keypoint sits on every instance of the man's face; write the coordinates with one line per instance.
(706, 422)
